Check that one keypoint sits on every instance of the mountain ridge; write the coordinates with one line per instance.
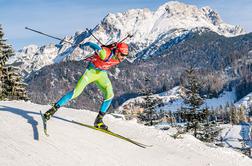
(151, 29)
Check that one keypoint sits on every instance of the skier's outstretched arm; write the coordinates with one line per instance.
(101, 52)
(94, 46)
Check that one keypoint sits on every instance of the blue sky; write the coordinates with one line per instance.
(65, 17)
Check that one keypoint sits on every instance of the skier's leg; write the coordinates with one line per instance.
(86, 78)
(105, 86)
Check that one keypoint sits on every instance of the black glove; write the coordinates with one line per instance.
(110, 46)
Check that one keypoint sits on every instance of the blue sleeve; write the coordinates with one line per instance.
(94, 46)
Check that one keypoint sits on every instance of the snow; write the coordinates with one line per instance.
(232, 135)
(227, 97)
(23, 142)
(245, 102)
(250, 52)
(33, 58)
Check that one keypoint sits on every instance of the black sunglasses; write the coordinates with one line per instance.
(123, 54)
(120, 53)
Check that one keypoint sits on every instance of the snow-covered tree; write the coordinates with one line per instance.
(191, 94)
(5, 49)
(11, 85)
(191, 87)
(250, 114)
(234, 117)
(149, 116)
(242, 117)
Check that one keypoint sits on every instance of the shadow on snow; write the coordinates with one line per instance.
(28, 115)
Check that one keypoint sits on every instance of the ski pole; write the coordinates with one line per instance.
(48, 35)
(128, 36)
(94, 36)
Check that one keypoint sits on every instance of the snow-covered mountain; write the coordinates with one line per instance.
(154, 32)
(23, 142)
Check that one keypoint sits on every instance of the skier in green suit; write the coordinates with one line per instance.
(103, 59)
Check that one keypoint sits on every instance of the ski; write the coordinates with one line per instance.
(113, 134)
(44, 123)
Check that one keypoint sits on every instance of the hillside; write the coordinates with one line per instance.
(172, 101)
(23, 143)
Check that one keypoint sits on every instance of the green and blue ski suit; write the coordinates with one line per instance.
(96, 72)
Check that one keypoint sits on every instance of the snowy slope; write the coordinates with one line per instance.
(173, 101)
(233, 136)
(245, 102)
(154, 31)
(23, 143)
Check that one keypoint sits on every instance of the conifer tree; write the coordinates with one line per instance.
(149, 116)
(250, 111)
(242, 117)
(11, 85)
(234, 117)
(191, 96)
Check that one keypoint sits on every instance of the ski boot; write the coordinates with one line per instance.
(50, 112)
(99, 123)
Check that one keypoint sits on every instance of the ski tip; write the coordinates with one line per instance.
(46, 134)
(44, 124)
(143, 145)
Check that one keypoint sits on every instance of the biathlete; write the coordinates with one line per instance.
(103, 59)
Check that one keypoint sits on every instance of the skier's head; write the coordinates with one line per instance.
(122, 48)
